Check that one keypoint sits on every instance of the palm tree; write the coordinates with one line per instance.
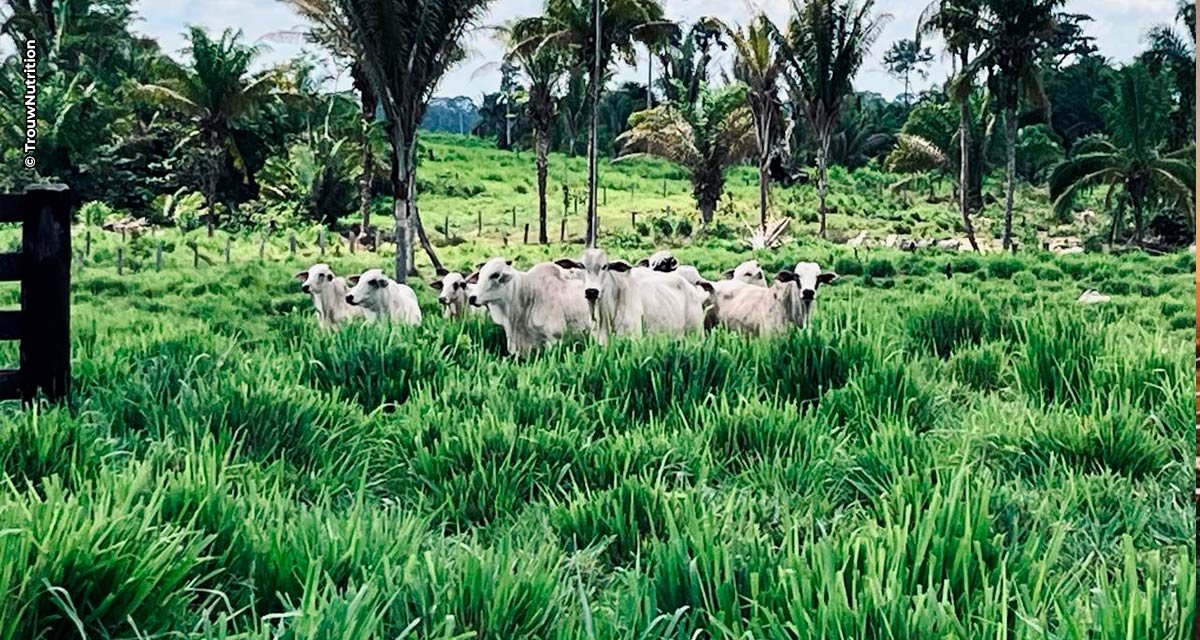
(1015, 33)
(1132, 159)
(904, 58)
(406, 47)
(824, 47)
(543, 68)
(756, 64)
(706, 137)
(215, 91)
(1176, 54)
(594, 32)
(329, 27)
(957, 22)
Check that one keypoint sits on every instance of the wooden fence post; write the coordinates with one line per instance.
(87, 244)
(120, 261)
(292, 245)
(446, 228)
(479, 221)
(195, 256)
(321, 241)
(633, 219)
(262, 245)
(566, 199)
(605, 203)
(45, 320)
(562, 232)
(158, 256)
(228, 249)
(526, 233)
(664, 187)
(514, 217)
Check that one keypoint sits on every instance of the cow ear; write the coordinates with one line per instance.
(827, 277)
(728, 275)
(707, 286)
(568, 263)
(670, 263)
(436, 285)
(785, 276)
(441, 271)
(620, 266)
(644, 262)
(473, 278)
(353, 280)
(301, 276)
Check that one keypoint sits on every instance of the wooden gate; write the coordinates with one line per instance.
(43, 267)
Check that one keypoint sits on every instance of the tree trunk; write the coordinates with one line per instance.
(594, 90)
(368, 169)
(211, 179)
(822, 179)
(764, 187)
(400, 182)
(1010, 143)
(964, 174)
(541, 143)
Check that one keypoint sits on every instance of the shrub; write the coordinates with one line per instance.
(880, 268)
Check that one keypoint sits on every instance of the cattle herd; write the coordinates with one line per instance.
(594, 294)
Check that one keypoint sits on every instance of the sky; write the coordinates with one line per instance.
(1119, 27)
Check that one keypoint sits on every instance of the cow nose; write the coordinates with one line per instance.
(473, 300)
(349, 299)
(444, 300)
(591, 294)
(305, 288)
(808, 294)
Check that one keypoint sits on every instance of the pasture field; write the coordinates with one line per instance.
(972, 457)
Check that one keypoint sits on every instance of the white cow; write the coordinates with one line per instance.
(452, 294)
(387, 299)
(746, 274)
(625, 300)
(328, 295)
(770, 310)
(536, 307)
(664, 262)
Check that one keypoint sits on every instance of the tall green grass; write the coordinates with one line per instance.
(931, 459)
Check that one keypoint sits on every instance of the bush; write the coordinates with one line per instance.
(880, 268)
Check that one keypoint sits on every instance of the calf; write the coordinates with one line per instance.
(387, 299)
(624, 300)
(328, 295)
(769, 310)
(452, 294)
(536, 307)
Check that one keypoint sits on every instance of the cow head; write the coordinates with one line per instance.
(452, 287)
(493, 282)
(315, 278)
(366, 287)
(807, 277)
(748, 272)
(661, 261)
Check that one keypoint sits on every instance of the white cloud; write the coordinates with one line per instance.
(1119, 27)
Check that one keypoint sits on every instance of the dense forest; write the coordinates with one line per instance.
(212, 134)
